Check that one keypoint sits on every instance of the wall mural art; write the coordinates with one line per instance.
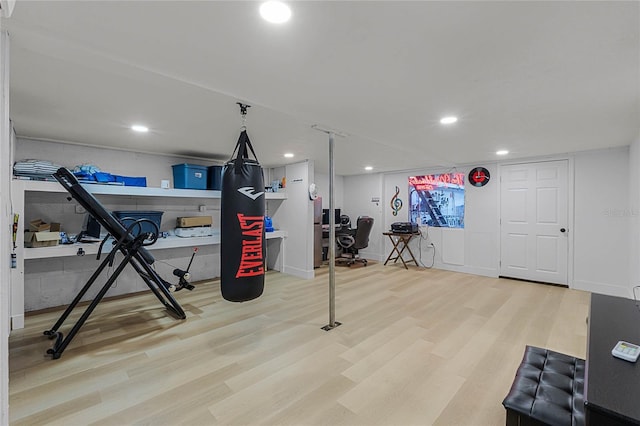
(396, 203)
(437, 200)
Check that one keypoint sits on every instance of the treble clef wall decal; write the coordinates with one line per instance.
(396, 203)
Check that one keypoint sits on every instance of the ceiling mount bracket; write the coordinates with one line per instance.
(243, 108)
(243, 113)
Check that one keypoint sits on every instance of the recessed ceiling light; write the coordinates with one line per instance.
(502, 152)
(275, 12)
(139, 128)
(288, 155)
(368, 168)
(448, 120)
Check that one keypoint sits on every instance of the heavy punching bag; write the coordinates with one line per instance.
(242, 248)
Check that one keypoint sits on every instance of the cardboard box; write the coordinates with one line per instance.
(188, 222)
(41, 239)
(40, 225)
(42, 234)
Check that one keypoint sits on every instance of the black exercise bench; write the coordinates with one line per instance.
(129, 241)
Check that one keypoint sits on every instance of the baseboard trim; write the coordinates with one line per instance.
(601, 288)
(301, 273)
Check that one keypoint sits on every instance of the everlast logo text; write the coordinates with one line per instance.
(251, 260)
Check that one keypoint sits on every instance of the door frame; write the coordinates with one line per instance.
(570, 206)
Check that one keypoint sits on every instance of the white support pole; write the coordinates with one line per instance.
(332, 238)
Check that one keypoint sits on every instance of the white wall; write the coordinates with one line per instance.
(473, 249)
(605, 224)
(603, 221)
(297, 214)
(5, 226)
(359, 191)
(634, 203)
(126, 163)
(54, 281)
(322, 185)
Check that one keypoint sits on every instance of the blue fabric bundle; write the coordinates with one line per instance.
(90, 173)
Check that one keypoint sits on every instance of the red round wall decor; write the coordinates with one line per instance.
(479, 176)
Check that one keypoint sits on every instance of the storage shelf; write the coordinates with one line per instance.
(162, 243)
(138, 191)
(24, 193)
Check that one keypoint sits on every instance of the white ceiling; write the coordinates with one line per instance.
(536, 78)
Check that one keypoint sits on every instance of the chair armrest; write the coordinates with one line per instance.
(345, 241)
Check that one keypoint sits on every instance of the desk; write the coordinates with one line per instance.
(612, 385)
(400, 244)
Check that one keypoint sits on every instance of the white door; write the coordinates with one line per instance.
(533, 221)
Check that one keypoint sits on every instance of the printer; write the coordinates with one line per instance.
(404, 228)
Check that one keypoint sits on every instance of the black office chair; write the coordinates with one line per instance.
(356, 239)
(345, 222)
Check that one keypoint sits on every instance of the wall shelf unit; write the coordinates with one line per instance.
(137, 191)
(19, 189)
(161, 243)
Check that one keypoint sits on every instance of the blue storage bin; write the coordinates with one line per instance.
(189, 176)
(214, 178)
(127, 217)
(131, 180)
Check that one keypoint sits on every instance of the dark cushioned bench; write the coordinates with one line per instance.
(548, 390)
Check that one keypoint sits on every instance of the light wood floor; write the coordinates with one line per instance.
(417, 347)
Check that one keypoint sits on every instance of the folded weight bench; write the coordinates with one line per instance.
(548, 390)
(132, 248)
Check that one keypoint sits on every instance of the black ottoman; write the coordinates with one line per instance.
(548, 390)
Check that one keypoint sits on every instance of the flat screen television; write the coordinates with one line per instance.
(325, 216)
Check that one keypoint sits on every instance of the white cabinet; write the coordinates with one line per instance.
(23, 189)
